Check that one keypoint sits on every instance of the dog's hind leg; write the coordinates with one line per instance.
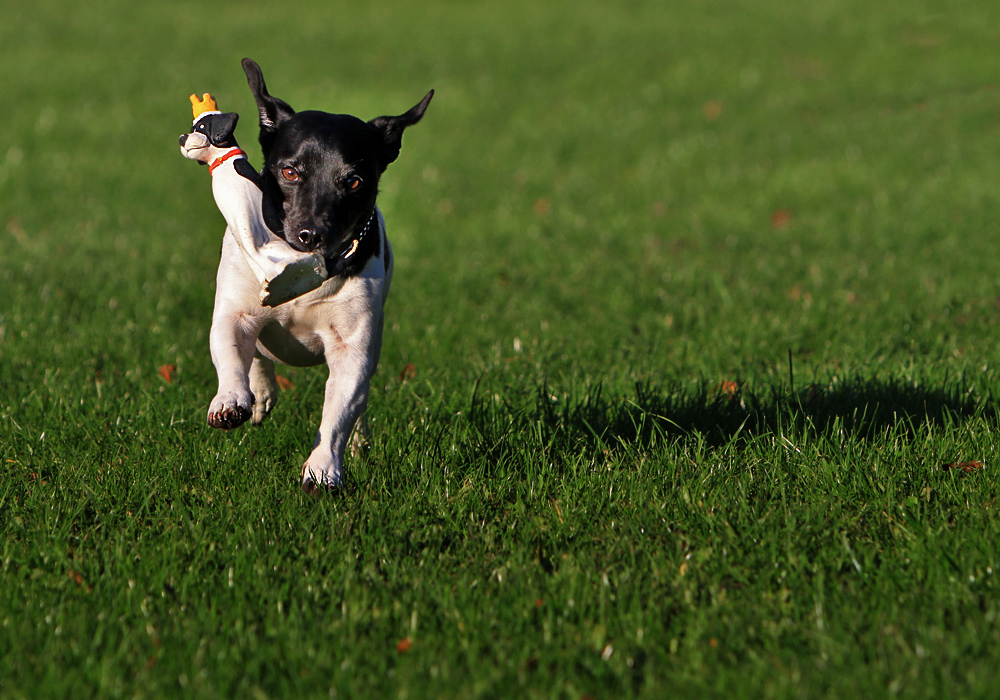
(264, 386)
(360, 437)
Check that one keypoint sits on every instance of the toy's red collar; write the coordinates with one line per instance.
(224, 157)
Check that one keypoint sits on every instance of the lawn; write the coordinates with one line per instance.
(689, 383)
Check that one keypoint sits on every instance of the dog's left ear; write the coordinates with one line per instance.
(221, 128)
(392, 128)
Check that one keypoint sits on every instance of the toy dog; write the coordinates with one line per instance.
(283, 272)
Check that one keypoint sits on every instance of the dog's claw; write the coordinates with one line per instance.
(229, 417)
(315, 484)
(310, 487)
(319, 490)
(230, 412)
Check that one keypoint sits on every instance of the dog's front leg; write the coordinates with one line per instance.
(344, 401)
(232, 341)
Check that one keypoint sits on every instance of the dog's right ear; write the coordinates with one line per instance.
(272, 110)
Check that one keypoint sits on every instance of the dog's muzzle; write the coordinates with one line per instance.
(312, 239)
(192, 143)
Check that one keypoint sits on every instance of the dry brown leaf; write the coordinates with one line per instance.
(966, 467)
(167, 372)
(77, 578)
(780, 218)
(729, 388)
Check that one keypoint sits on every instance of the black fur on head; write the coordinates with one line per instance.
(274, 112)
(321, 171)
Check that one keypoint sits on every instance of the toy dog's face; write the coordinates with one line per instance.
(209, 137)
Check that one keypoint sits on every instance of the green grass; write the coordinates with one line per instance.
(700, 301)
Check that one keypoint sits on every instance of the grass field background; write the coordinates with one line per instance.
(694, 306)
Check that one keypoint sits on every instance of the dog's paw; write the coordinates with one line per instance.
(230, 411)
(318, 479)
(265, 390)
(261, 409)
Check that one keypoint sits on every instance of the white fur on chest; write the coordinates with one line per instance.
(341, 313)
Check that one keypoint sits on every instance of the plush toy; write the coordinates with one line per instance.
(284, 273)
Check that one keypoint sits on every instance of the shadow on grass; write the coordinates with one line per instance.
(719, 414)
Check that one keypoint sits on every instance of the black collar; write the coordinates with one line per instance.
(359, 250)
(356, 242)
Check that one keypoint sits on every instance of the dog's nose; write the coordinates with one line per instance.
(311, 237)
(184, 137)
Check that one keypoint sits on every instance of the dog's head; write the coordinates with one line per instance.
(321, 171)
(210, 136)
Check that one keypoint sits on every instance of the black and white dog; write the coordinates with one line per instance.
(319, 181)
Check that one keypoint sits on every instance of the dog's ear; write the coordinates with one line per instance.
(221, 128)
(272, 110)
(392, 128)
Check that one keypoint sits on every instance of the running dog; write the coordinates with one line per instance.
(319, 183)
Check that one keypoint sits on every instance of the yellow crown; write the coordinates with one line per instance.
(205, 104)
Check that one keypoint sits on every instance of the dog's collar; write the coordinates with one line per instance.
(231, 153)
(356, 243)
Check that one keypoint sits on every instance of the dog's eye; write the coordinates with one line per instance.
(290, 174)
(353, 183)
